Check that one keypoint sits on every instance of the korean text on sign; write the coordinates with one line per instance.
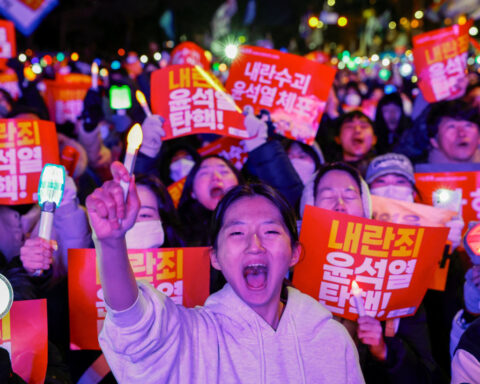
(182, 274)
(291, 87)
(25, 146)
(441, 61)
(390, 262)
(194, 102)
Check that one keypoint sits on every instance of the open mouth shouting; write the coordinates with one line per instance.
(255, 275)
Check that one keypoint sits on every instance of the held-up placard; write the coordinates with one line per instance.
(25, 147)
(294, 89)
(23, 333)
(467, 182)
(193, 101)
(183, 274)
(229, 148)
(64, 96)
(8, 43)
(391, 263)
(189, 53)
(440, 58)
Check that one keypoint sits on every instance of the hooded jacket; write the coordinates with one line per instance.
(225, 341)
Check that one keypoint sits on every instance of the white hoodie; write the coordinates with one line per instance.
(156, 341)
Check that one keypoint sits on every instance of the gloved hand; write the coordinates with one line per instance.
(153, 132)
(256, 128)
(455, 234)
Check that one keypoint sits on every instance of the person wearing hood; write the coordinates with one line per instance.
(391, 352)
(255, 330)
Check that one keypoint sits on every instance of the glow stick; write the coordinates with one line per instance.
(357, 295)
(134, 141)
(94, 76)
(143, 102)
(50, 193)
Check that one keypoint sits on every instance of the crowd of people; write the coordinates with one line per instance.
(255, 326)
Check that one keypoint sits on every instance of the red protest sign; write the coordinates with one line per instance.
(229, 148)
(25, 147)
(391, 263)
(9, 82)
(467, 182)
(8, 43)
(23, 333)
(175, 190)
(440, 58)
(193, 101)
(189, 53)
(294, 89)
(64, 96)
(181, 273)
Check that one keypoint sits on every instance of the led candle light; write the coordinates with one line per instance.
(357, 295)
(94, 76)
(134, 140)
(50, 193)
(143, 102)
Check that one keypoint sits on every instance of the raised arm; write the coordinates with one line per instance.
(110, 217)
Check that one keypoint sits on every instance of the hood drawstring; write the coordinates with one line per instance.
(262, 352)
(297, 348)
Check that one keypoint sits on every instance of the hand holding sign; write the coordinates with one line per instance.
(256, 128)
(109, 216)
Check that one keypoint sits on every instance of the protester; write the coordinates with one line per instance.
(454, 131)
(466, 361)
(357, 140)
(402, 354)
(390, 122)
(391, 175)
(254, 242)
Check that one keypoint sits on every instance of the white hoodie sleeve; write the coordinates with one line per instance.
(144, 343)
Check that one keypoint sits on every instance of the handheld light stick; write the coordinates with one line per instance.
(134, 140)
(94, 76)
(357, 296)
(50, 193)
(143, 102)
(6, 296)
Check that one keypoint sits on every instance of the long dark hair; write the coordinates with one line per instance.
(252, 190)
(194, 217)
(381, 129)
(166, 210)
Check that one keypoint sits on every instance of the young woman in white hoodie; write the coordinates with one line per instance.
(254, 330)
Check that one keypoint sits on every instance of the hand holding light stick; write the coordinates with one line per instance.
(50, 193)
(357, 296)
(134, 140)
(94, 76)
(143, 102)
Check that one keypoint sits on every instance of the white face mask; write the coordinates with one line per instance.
(394, 192)
(304, 168)
(180, 168)
(353, 100)
(145, 234)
